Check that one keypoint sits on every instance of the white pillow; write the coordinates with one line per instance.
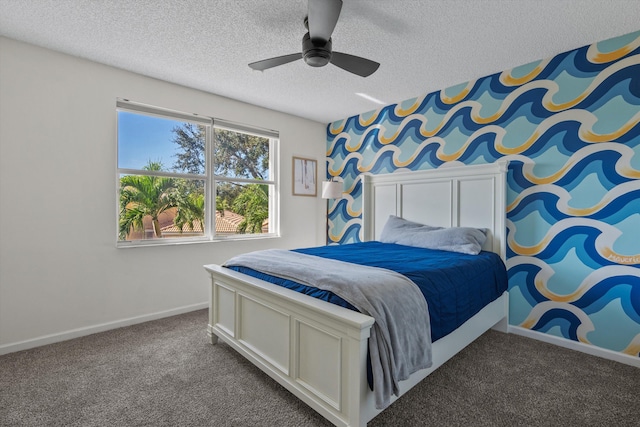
(466, 240)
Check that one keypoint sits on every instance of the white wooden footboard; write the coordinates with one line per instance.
(315, 349)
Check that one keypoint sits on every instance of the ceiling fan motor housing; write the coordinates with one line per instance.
(316, 53)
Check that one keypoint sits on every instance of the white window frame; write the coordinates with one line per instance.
(209, 177)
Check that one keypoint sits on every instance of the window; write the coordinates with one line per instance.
(183, 177)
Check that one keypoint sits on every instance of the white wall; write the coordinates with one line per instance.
(60, 272)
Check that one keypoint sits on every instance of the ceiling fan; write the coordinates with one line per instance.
(320, 22)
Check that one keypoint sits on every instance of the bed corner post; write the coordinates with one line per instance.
(355, 395)
(503, 324)
(367, 206)
(212, 336)
(503, 164)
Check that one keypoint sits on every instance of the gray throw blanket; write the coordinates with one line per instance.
(400, 341)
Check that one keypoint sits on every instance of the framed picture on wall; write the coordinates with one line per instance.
(305, 173)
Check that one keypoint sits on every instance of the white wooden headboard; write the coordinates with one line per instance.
(457, 196)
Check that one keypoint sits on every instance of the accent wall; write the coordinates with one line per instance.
(570, 127)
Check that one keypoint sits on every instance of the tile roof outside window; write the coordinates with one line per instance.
(226, 224)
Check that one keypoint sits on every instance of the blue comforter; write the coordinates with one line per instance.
(456, 286)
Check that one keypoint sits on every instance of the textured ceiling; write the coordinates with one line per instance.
(422, 45)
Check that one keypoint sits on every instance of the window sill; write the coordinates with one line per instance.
(184, 241)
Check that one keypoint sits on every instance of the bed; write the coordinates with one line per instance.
(318, 350)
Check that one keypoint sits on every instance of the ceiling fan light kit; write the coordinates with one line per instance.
(317, 45)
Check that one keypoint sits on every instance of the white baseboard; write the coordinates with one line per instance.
(578, 346)
(81, 332)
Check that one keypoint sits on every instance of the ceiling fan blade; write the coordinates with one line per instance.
(354, 64)
(322, 16)
(274, 62)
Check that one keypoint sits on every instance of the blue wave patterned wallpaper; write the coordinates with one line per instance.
(570, 126)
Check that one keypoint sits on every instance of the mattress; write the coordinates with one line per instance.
(456, 286)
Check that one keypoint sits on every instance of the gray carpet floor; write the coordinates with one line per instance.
(165, 373)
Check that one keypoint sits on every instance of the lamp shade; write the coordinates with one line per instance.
(331, 189)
